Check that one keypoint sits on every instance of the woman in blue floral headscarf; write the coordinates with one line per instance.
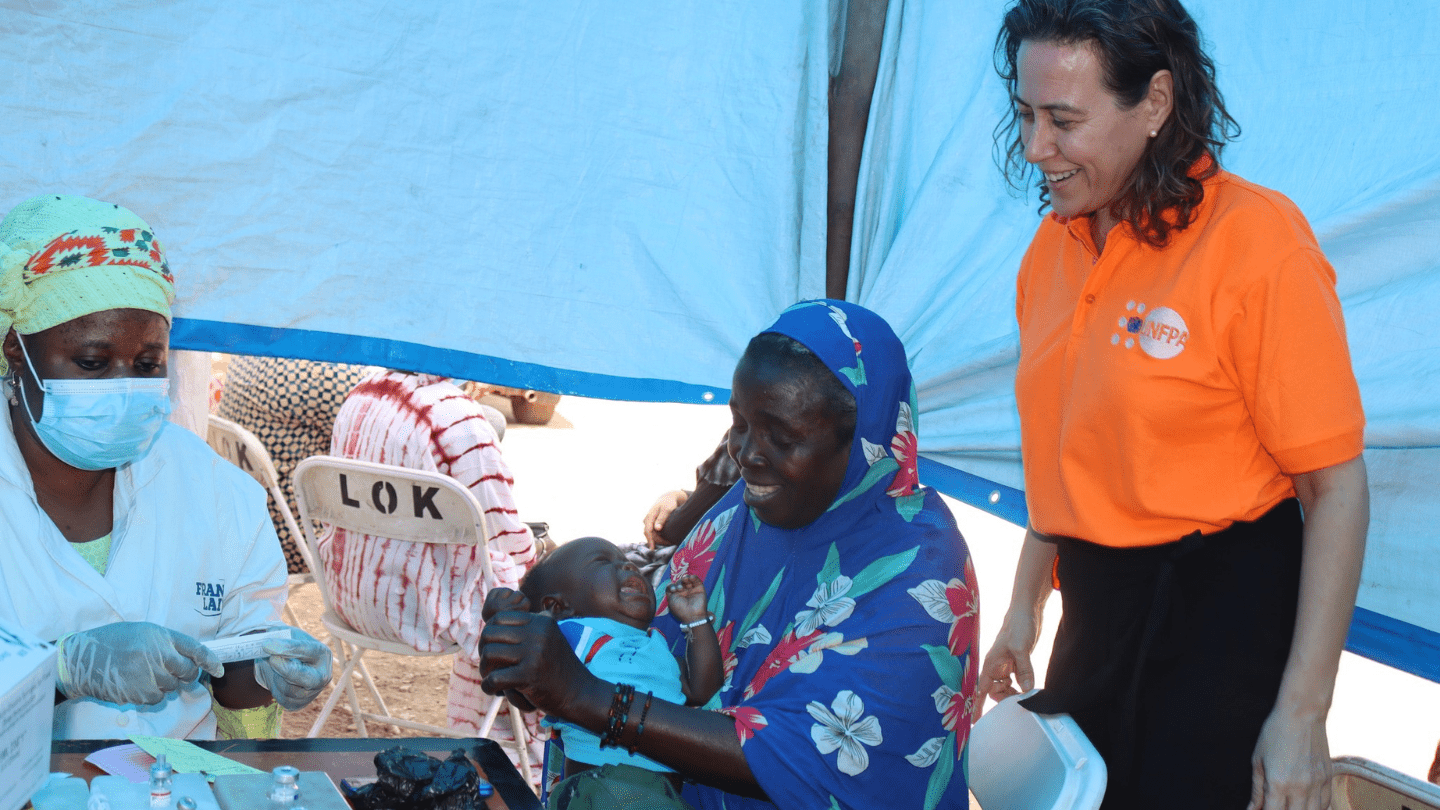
(842, 591)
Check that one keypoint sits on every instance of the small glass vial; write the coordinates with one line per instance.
(161, 778)
(284, 785)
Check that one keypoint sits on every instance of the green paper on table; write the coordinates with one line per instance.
(187, 757)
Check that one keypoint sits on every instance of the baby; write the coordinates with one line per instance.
(604, 608)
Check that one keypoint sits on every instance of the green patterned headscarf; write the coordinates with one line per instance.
(64, 257)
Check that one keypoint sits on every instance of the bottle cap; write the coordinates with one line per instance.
(286, 774)
(285, 784)
(161, 768)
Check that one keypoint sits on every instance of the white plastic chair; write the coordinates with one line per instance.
(1020, 760)
(241, 448)
(1359, 784)
(404, 504)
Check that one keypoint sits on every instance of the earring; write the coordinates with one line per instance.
(10, 383)
(1154, 132)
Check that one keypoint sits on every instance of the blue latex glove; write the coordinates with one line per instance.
(295, 670)
(131, 662)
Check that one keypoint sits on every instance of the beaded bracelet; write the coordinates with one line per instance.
(688, 626)
(619, 714)
(640, 729)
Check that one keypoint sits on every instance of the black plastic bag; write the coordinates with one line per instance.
(455, 775)
(373, 796)
(413, 780)
(405, 772)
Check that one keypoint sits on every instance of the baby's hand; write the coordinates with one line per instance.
(687, 598)
(503, 599)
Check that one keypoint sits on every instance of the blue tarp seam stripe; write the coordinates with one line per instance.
(205, 335)
(1395, 643)
(999, 500)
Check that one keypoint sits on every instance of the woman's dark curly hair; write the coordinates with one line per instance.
(1134, 39)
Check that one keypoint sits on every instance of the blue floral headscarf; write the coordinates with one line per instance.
(848, 643)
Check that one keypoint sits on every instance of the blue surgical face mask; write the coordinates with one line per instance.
(98, 424)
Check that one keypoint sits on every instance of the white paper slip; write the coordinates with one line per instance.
(244, 648)
(128, 761)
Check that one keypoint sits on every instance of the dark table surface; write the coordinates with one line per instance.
(341, 758)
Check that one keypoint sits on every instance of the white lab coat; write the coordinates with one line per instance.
(193, 549)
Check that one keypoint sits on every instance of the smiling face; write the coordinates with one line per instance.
(590, 577)
(1075, 131)
(788, 442)
(102, 345)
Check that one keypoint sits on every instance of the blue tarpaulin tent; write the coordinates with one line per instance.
(608, 199)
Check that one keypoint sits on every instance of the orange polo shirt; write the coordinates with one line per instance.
(1165, 391)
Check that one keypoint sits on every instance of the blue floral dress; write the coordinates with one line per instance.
(849, 644)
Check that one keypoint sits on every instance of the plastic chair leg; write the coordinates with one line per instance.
(342, 685)
(355, 695)
(518, 732)
(337, 653)
(522, 744)
(490, 715)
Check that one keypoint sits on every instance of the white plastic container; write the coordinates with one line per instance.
(1020, 760)
(27, 709)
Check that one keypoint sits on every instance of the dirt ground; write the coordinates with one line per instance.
(413, 686)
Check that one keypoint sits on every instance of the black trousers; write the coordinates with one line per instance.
(1170, 657)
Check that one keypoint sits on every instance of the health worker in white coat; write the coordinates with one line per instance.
(123, 537)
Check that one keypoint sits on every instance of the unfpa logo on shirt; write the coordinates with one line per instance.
(1161, 332)
(210, 594)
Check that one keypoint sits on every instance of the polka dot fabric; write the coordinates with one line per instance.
(290, 405)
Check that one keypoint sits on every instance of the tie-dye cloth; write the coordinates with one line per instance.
(429, 596)
(849, 644)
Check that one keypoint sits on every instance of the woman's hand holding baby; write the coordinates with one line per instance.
(687, 599)
(524, 655)
(501, 599)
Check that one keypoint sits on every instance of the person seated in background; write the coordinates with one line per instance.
(425, 422)
(845, 602)
(290, 406)
(604, 607)
(126, 538)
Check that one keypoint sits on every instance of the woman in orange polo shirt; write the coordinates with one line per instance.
(1185, 396)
